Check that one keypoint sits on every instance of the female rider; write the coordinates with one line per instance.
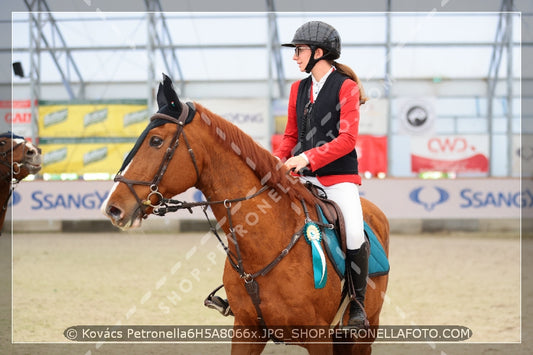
(320, 136)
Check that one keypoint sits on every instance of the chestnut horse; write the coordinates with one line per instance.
(18, 159)
(268, 274)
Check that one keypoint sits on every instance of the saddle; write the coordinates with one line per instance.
(378, 263)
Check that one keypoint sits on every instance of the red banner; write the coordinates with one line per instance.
(372, 154)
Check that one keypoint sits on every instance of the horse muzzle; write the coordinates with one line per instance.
(122, 220)
(33, 168)
(32, 158)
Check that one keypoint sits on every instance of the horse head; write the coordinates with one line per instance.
(18, 157)
(161, 163)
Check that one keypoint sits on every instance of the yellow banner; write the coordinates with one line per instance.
(84, 157)
(92, 120)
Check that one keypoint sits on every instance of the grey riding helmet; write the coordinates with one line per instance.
(317, 34)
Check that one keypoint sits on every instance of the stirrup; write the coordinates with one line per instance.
(216, 302)
(219, 304)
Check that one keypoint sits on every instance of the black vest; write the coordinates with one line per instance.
(318, 123)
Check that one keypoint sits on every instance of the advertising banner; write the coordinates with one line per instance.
(250, 115)
(416, 115)
(522, 162)
(75, 200)
(482, 198)
(459, 154)
(16, 116)
(373, 117)
(100, 119)
(84, 158)
(372, 154)
(279, 112)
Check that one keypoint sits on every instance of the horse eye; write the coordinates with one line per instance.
(3, 143)
(156, 142)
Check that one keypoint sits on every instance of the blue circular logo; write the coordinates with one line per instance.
(15, 198)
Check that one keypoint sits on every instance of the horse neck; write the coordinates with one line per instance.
(225, 176)
(270, 218)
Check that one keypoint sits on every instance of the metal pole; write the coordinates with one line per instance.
(35, 72)
(509, 22)
(492, 82)
(388, 84)
(270, 79)
(150, 52)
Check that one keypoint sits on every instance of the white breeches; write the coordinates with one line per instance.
(346, 195)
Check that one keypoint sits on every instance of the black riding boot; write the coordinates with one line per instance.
(356, 274)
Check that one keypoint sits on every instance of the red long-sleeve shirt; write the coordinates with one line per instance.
(343, 144)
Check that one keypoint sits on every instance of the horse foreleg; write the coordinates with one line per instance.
(247, 340)
(362, 349)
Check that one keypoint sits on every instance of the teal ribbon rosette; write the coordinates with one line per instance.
(313, 236)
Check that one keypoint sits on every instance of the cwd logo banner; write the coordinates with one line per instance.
(460, 154)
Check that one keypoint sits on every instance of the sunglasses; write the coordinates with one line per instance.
(297, 50)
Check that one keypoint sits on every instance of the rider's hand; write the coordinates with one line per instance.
(297, 163)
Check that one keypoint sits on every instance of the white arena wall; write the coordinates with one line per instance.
(412, 205)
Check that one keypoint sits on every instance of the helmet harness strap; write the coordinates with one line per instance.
(312, 61)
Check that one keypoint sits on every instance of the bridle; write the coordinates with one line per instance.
(188, 111)
(6, 160)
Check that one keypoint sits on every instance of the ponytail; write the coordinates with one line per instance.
(346, 70)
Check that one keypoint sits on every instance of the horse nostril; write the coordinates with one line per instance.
(114, 212)
(33, 151)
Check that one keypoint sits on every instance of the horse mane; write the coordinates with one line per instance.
(268, 169)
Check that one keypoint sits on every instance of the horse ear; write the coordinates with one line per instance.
(168, 101)
(170, 93)
(161, 98)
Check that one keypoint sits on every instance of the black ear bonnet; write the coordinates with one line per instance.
(168, 104)
(12, 135)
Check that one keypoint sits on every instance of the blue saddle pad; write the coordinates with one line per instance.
(378, 264)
